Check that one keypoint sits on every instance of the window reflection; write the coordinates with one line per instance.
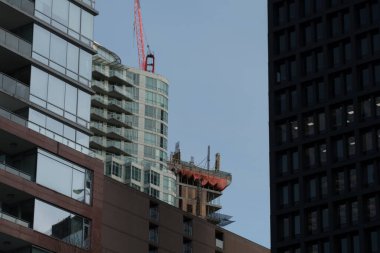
(64, 177)
(58, 223)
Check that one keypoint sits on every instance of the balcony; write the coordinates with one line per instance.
(120, 106)
(13, 244)
(98, 142)
(120, 93)
(15, 171)
(99, 86)
(44, 131)
(16, 206)
(99, 114)
(118, 76)
(13, 87)
(99, 101)
(98, 128)
(120, 120)
(100, 72)
(116, 147)
(14, 43)
(24, 5)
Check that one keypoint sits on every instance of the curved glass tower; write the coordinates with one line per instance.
(129, 118)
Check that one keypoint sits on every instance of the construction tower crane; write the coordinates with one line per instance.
(145, 62)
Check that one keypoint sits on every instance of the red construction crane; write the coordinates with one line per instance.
(145, 62)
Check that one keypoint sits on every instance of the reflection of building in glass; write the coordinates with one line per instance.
(129, 118)
(73, 230)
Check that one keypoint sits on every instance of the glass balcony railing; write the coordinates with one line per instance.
(16, 43)
(121, 91)
(99, 127)
(100, 99)
(101, 141)
(44, 131)
(99, 112)
(15, 171)
(24, 5)
(102, 70)
(103, 86)
(13, 87)
(13, 219)
(219, 243)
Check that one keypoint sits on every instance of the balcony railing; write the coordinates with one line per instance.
(15, 171)
(219, 243)
(44, 131)
(13, 87)
(16, 43)
(100, 69)
(13, 219)
(120, 91)
(24, 5)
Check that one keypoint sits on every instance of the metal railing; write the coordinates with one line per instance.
(13, 219)
(14, 171)
(16, 43)
(13, 87)
(24, 5)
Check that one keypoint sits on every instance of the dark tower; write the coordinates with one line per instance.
(324, 96)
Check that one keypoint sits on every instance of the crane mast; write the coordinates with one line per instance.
(146, 62)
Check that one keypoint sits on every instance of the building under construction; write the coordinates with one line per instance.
(200, 189)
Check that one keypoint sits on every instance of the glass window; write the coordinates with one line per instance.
(72, 58)
(44, 6)
(85, 66)
(367, 141)
(61, 12)
(310, 156)
(71, 99)
(74, 18)
(313, 188)
(84, 105)
(87, 24)
(53, 174)
(41, 41)
(58, 223)
(58, 50)
(39, 83)
(56, 92)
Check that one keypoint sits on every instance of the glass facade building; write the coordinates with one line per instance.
(324, 77)
(129, 118)
(47, 169)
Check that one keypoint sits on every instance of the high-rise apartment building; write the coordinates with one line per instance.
(129, 118)
(49, 185)
(324, 96)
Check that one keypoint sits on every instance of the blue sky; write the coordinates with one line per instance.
(214, 54)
